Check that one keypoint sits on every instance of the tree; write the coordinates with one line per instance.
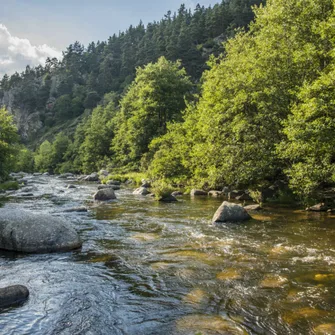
(8, 139)
(99, 131)
(248, 94)
(156, 97)
(44, 157)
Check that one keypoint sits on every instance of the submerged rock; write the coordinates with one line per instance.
(13, 295)
(253, 208)
(167, 198)
(75, 209)
(141, 191)
(24, 231)
(195, 192)
(215, 194)
(105, 195)
(229, 212)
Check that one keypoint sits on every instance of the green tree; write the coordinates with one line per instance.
(95, 150)
(248, 94)
(156, 97)
(44, 157)
(8, 139)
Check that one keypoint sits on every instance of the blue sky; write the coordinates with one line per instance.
(52, 25)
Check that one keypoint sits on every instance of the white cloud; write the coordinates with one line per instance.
(16, 53)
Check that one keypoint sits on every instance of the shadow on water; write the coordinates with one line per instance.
(152, 268)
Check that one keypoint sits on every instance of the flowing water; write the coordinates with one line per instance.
(153, 268)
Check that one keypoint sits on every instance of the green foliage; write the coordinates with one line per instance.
(24, 160)
(8, 140)
(309, 146)
(161, 189)
(9, 186)
(52, 157)
(98, 132)
(44, 157)
(156, 97)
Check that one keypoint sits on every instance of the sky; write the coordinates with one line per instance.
(32, 30)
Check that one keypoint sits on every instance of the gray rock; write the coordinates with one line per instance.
(318, 208)
(225, 190)
(113, 182)
(177, 193)
(146, 184)
(92, 177)
(24, 231)
(244, 197)
(104, 173)
(234, 194)
(46, 174)
(37, 174)
(113, 187)
(195, 192)
(230, 212)
(65, 175)
(253, 208)
(13, 295)
(104, 195)
(76, 210)
(215, 194)
(168, 198)
(141, 191)
(70, 186)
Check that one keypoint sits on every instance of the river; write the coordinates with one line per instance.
(155, 268)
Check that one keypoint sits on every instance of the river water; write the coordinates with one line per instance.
(153, 268)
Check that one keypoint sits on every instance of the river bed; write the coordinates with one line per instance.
(162, 268)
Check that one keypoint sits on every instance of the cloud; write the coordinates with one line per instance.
(16, 53)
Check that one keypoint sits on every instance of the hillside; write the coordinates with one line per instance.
(48, 98)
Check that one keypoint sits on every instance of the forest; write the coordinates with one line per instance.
(241, 94)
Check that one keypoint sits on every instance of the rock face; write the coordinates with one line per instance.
(13, 295)
(141, 191)
(198, 192)
(105, 195)
(229, 212)
(23, 231)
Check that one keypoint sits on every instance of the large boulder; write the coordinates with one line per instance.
(230, 212)
(195, 192)
(141, 191)
(105, 195)
(24, 231)
(13, 295)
